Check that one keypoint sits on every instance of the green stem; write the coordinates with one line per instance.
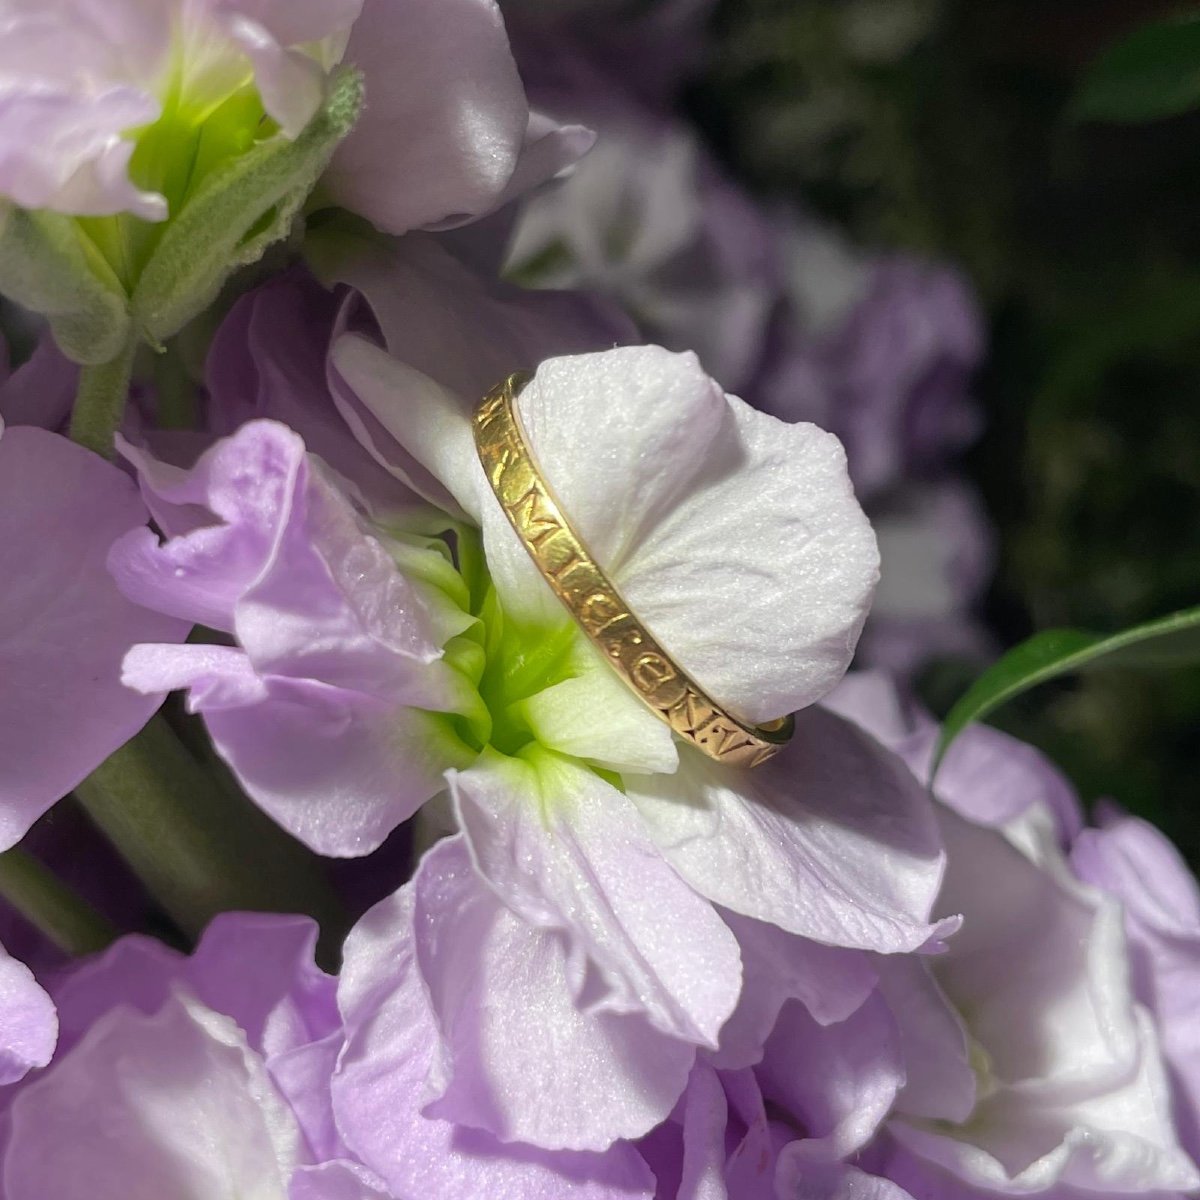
(175, 391)
(100, 401)
(199, 848)
(47, 903)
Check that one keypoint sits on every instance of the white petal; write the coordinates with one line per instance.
(1067, 1015)
(569, 853)
(521, 1058)
(940, 1077)
(1019, 1141)
(830, 982)
(291, 84)
(148, 1107)
(832, 839)
(378, 1088)
(442, 133)
(1075, 1091)
(734, 536)
(28, 1022)
(838, 1082)
(433, 451)
(594, 716)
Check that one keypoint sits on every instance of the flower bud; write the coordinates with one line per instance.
(149, 150)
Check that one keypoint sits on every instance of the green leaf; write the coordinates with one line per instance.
(1168, 642)
(236, 213)
(1151, 74)
(49, 267)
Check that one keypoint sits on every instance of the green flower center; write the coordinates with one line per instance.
(505, 662)
(173, 157)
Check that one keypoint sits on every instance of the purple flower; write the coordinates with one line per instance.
(317, 738)
(1129, 859)
(270, 356)
(327, 708)
(879, 350)
(268, 359)
(456, 325)
(188, 1077)
(648, 220)
(1027, 1061)
(447, 134)
(64, 626)
(719, 1142)
(393, 1045)
(935, 549)
(603, 1069)
(40, 390)
(28, 1023)
(728, 1139)
(987, 776)
(627, 1012)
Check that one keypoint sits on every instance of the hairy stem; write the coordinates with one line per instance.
(100, 401)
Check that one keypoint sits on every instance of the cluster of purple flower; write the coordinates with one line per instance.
(877, 348)
(587, 962)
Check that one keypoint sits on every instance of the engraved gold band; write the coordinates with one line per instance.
(596, 605)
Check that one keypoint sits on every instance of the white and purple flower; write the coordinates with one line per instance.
(371, 672)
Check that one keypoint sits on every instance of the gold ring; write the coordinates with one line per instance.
(594, 602)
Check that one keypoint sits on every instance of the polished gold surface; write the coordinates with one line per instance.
(591, 598)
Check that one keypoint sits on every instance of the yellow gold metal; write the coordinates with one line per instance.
(594, 602)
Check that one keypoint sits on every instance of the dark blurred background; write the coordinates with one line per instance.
(951, 127)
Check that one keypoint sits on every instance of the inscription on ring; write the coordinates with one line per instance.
(596, 605)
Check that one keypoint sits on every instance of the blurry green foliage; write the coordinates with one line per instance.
(1152, 73)
(945, 126)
